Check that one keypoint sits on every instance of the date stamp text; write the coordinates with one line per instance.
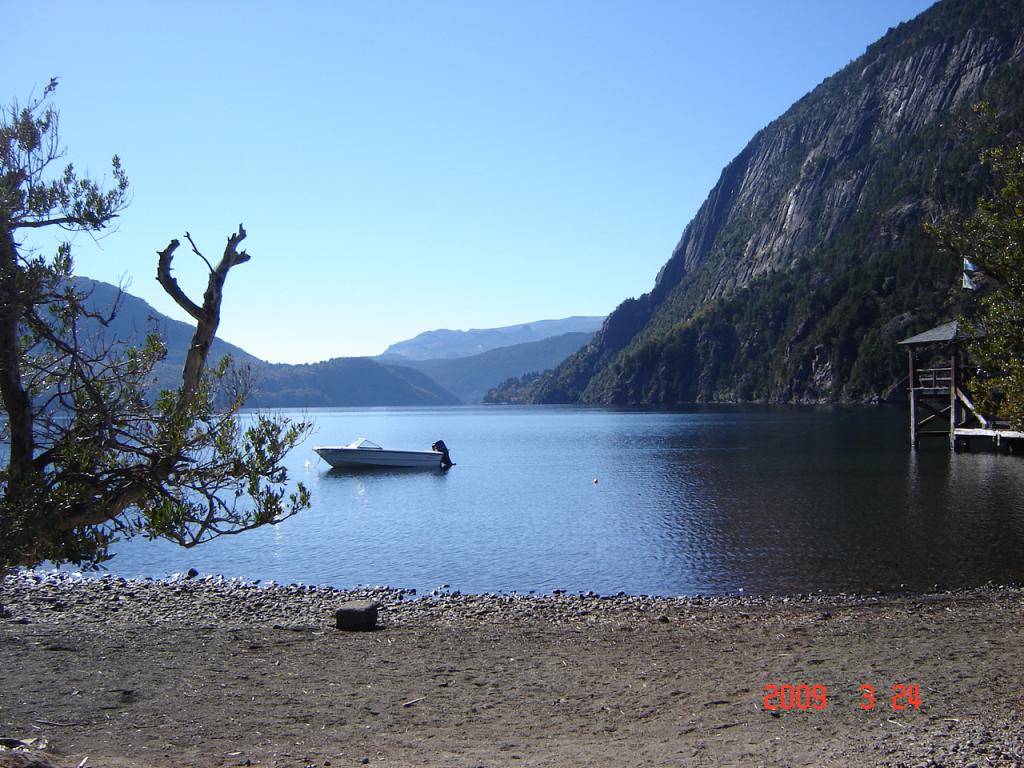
(786, 696)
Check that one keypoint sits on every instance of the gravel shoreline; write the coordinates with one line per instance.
(207, 671)
(55, 596)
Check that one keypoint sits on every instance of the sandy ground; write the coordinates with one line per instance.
(199, 674)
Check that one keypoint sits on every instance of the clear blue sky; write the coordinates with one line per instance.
(404, 166)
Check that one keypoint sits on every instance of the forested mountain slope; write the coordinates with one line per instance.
(808, 260)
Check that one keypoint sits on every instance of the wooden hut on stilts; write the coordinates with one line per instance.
(939, 403)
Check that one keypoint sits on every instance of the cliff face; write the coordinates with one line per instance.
(807, 260)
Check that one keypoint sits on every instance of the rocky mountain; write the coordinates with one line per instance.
(809, 260)
(447, 344)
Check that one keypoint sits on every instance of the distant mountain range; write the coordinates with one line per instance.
(360, 381)
(470, 378)
(809, 260)
(446, 344)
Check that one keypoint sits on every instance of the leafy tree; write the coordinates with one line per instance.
(992, 239)
(89, 457)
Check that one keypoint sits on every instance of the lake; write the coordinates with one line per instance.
(767, 500)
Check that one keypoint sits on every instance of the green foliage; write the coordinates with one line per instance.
(90, 457)
(514, 390)
(29, 197)
(778, 339)
(993, 239)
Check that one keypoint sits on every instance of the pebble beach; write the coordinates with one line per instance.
(207, 671)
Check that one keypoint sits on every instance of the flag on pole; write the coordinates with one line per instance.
(970, 270)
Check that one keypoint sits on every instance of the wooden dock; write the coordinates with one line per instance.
(939, 403)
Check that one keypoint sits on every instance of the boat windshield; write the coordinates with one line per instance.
(362, 442)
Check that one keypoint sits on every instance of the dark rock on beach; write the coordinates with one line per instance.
(357, 616)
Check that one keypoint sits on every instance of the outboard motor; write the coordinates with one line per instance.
(446, 461)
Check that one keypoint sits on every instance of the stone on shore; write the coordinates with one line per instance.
(20, 759)
(357, 616)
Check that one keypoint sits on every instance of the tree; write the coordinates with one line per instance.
(91, 457)
(992, 240)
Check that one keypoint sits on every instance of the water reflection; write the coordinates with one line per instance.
(714, 500)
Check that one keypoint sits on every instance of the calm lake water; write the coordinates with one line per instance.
(712, 500)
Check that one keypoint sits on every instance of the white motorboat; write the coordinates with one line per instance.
(365, 453)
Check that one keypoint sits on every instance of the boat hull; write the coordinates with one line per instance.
(348, 458)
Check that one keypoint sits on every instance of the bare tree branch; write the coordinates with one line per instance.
(60, 221)
(197, 252)
(208, 319)
(170, 284)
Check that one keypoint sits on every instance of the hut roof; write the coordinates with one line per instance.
(945, 333)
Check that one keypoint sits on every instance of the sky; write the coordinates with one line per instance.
(402, 166)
